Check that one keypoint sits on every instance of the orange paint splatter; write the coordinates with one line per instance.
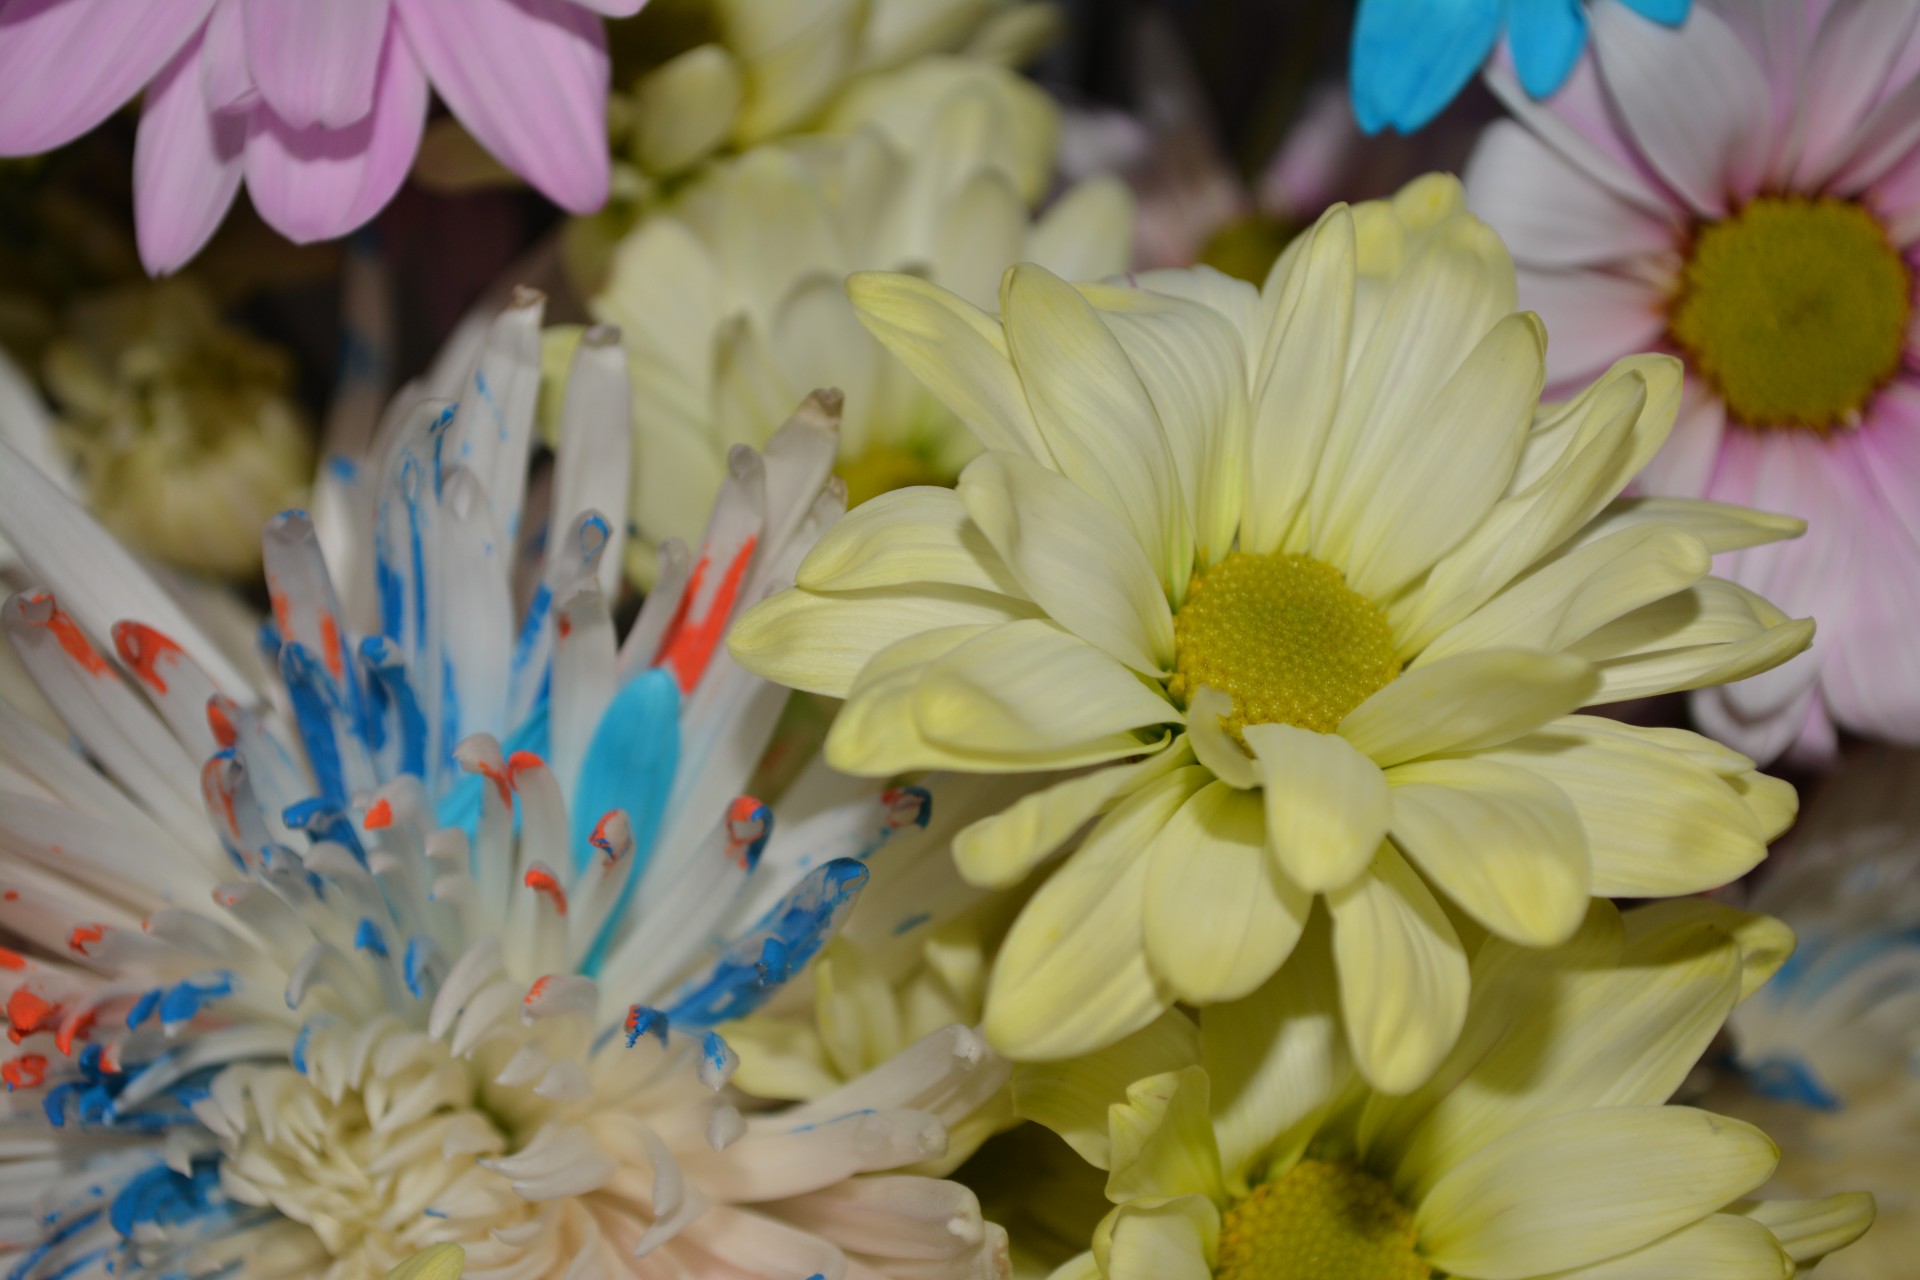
(11, 895)
(521, 761)
(67, 632)
(84, 936)
(540, 880)
(689, 643)
(73, 1028)
(535, 991)
(28, 1012)
(143, 649)
(330, 649)
(24, 1072)
(213, 788)
(220, 722)
(10, 959)
(379, 817)
(501, 779)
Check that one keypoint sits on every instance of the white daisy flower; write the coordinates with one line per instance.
(478, 885)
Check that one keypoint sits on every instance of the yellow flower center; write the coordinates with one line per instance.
(1285, 637)
(1796, 310)
(1320, 1221)
(884, 468)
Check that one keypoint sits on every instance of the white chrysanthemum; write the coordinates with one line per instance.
(1828, 1053)
(732, 298)
(476, 888)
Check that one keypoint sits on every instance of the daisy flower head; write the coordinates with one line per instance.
(1827, 1055)
(1544, 1146)
(1308, 584)
(1742, 192)
(319, 109)
(1412, 57)
(432, 948)
(731, 294)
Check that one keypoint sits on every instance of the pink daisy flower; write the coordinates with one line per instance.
(318, 107)
(1745, 192)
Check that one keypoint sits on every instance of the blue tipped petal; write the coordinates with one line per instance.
(630, 765)
(1546, 37)
(1411, 57)
(753, 968)
(1671, 12)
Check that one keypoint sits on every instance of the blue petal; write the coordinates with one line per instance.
(630, 765)
(1671, 12)
(1410, 57)
(1546, 37)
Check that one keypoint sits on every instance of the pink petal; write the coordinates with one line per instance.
(1686, 462)
(529, 79)
(1693, 99)
(69, 64)
(186, 165)
(1592, 319)
(315, 184)
(1550, 211)
(613, 8)
(1578, 123)
(315, 63)
(1765, 737)
(1871, 678)
(1845, 73)
(225, 79)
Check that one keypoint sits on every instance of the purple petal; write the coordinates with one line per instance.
(68, 64)
(529, 79)
(316, 63)
(315, 184)
(613, 8)
(186, 165)
(225, 80)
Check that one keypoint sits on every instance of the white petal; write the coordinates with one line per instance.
(1472, 700)
(1327, 804)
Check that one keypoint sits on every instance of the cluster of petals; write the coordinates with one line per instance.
(1546, 1144)
(432, 947)
(1599, 191)
(318, 108)
(1375, 408)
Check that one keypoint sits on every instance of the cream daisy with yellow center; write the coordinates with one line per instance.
(1245, 1149)
(1316, 579)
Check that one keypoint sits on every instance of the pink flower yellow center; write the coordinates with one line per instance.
(1320, 1220)
(1285, 637)
(1795, 310)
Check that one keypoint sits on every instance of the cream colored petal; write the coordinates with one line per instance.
(815, 340)
(761, 256)
(1566, 598)
(1081, 1266)
(1715, 632)
(956, 349)
(1096, 416)
(1071, 1096)
(979, 229)
(1587, 451)
(1030, 689)
(1212, 745)
(1501, 841)
(1721, 1246)
(1193, 364)
(1658, 822)
(1772, 802)
(1072, 975)
(819, 642)
(1467, 702)
(664, 291)
(1220, 918)
(1571, 1190)
(1159, 1240)
(1087, 234)
(751, 396)
(1073, 556)
(1666, 929)
(794, 60)
(1719, 525)
(1443, 470)
(1451, 294)
(1162, 1144)
(1327, 804)
(440, 1262)
(1809, 1230)
(998, 851)
(1551, 1032)
(904, 538)
(1277, 1061)
(855, 1009)
(1403, 975)
(684, 109)
(1299, 377)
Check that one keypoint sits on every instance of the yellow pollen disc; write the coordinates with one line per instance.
(1320, 1221)
(884, 468)
(1795, 309)
(1285, 637)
